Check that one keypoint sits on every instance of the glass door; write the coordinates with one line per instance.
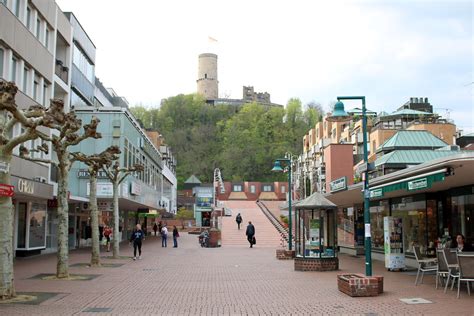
(22, 221)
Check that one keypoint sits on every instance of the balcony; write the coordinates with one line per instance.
(61, 71)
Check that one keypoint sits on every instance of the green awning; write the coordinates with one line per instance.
(414, 184)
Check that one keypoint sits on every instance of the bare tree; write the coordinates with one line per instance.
(116, 175)
(30, 119)
(95, 163)
(67, 126)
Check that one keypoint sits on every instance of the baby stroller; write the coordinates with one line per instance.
(204, 239)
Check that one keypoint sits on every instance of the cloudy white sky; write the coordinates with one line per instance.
(388, 51)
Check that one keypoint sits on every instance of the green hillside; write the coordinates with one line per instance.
(243, 142)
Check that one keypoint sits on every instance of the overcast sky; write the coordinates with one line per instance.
(388, 51)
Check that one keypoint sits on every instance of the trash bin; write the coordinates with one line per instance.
(214, 238)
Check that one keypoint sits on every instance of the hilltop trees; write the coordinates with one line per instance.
(242, 141)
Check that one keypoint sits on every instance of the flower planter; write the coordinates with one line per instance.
(283, 254)
(357, 285)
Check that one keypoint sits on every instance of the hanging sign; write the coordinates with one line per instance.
(6, 190)
(338, 184)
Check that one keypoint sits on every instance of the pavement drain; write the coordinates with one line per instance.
(97, 310)
(150, 269)
(338, 306)
(370, 314)
(416, 300)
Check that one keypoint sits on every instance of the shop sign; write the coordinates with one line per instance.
(376, 193)
(25, 186)
(417, 184)
(135, 188)
(6, 190)
(103, 189)
(4, 167)
(84, 174)
(338, 184)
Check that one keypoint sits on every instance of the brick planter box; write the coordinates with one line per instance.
(316, 264)
(283, 254)
(356, 284)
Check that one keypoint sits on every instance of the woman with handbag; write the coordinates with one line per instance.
(175, 237)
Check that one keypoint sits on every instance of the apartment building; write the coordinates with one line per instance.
(35, 38)
(49, 55)
(416, 115)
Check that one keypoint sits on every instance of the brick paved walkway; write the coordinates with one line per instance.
(191, 280)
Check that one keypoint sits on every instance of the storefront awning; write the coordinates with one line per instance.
(422, 181)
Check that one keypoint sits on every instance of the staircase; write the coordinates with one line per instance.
(275, 222)
(265, 232)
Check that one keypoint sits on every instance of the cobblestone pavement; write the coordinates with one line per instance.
(191, 280)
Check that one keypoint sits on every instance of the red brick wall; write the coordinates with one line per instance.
(339, 163)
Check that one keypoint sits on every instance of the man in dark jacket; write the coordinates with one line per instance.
(238, 219)
(250, 234)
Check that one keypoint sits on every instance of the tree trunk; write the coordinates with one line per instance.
(7, 289)
(116, 214)
(62, 268)
(95, 253)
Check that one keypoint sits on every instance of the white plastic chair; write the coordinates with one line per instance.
(424, 265)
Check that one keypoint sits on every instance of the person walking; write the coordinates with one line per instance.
(107, 233)
(250, 234)
(155, 228)
(175, 237)
(164, 236)
(137, 236)
(160, 226)
(238, 219)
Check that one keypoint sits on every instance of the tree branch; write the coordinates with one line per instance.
(15, 141)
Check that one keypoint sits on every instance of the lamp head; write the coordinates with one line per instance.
(339, 114)
(277, 166)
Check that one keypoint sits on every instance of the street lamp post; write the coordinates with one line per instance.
(340, 115)
(277, 167)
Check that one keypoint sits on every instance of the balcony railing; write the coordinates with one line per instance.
(61, 71)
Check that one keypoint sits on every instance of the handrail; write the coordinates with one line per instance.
(276, 223)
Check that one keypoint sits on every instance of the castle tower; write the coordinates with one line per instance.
(207, 84)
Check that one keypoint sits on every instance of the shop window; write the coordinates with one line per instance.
(378, 211)
(412, 211)
(462, 216)
(37, 225)
(346, 227)
(237, 188)
(252, 189)
(283, 189)
(267, 188)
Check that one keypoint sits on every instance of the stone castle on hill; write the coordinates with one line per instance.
(208, 85)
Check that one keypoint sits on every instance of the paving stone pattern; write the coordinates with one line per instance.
(236, 280)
